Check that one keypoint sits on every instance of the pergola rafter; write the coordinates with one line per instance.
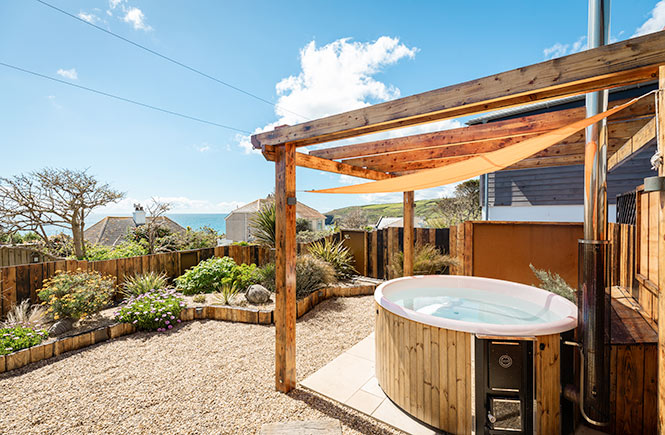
(628, 62)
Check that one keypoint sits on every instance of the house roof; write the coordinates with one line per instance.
(302, 211)
(112, 229)
(619, 93)
(391, 222)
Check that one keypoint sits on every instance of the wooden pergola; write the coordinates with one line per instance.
(634, 61)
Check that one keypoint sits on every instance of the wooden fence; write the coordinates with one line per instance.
(22, 282)
(15, 255)
(381, 245)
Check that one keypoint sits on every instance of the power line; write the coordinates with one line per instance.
(170, 59)
(127, 100)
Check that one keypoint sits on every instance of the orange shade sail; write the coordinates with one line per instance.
(478, 165)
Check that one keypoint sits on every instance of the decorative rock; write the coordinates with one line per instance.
(61, 326)
(257, 294)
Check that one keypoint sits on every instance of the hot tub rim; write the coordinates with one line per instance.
(566, 323)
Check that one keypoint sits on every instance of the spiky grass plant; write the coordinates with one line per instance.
(427, 260)
(27, 316)
(335, 254)
(143, 283)
(226, 293)
(552, 282)
(262, 225)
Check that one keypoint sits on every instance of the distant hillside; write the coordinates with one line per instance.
(425, 208)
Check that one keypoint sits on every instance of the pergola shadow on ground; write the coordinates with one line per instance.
(629, 62)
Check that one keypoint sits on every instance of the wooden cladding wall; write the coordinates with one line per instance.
(22, 282)
(15, 255)
(645, 260)
(504, 250)
(381, 245)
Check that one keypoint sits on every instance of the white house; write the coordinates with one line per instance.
(238, 222)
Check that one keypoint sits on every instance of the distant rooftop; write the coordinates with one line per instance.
(302, 211)
(112, 229)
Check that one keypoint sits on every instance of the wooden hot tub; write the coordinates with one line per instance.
(424, 363)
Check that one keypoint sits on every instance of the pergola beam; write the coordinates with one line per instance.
(626, 62)
(312, 162)
(641, 139)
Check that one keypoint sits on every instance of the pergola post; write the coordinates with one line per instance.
(660, 122)
(409, 208)
(285, 267)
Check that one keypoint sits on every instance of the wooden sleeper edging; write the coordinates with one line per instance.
(62, 345)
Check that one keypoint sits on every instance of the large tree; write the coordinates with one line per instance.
(52, 197)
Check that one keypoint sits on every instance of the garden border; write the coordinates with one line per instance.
(84, 339)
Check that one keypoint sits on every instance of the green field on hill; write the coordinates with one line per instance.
(425, 208)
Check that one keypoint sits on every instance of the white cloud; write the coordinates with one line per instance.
(136, 17)
(179, 204)
(203, 148)
(656, 21)
(559, 49)
(335, 78)
(115, 3)
(53, 101)
(68, 73)
(90, 18)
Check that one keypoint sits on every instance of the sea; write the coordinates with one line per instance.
(193, 220)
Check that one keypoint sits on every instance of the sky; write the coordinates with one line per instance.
(308, 58)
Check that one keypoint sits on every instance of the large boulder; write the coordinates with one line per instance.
(257, 294)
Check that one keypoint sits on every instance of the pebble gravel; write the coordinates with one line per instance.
(204, 377)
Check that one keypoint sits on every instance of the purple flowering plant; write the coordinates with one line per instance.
(155, 310)
(19, 337)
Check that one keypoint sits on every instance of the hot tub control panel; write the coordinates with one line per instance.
(504, 386)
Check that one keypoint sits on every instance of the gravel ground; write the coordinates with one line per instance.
(202, 377)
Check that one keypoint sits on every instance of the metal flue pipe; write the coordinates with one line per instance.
(593, 296)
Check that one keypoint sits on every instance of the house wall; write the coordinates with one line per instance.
(237, 227)
(557, 193)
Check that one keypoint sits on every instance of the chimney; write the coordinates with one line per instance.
(138, 215)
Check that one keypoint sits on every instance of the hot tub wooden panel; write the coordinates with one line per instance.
(426, 371)
(435, 390)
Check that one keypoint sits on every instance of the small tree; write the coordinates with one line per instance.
(464, 206)
(153, 225)
(302, 224)
(58, 197)
(262, 225)
(355, 219)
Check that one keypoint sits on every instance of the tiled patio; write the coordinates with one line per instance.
(349, 379)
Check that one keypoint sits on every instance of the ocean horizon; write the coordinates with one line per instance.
(195, 221)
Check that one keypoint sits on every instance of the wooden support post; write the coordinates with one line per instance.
(409, 208)
(285, 268)
(660, 115)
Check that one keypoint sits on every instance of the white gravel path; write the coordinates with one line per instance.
(203, 377)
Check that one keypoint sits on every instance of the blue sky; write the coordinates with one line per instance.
(326, 56)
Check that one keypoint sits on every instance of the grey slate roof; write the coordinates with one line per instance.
(112, 229)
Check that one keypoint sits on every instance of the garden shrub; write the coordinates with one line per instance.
(427, 260)
(19, 337)
(143, 283)
(336, 254)
(209, 275)
(311, 274)
(122, 250)
(156, 310)
(552, 282)
(199, 299)
(76, 294)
